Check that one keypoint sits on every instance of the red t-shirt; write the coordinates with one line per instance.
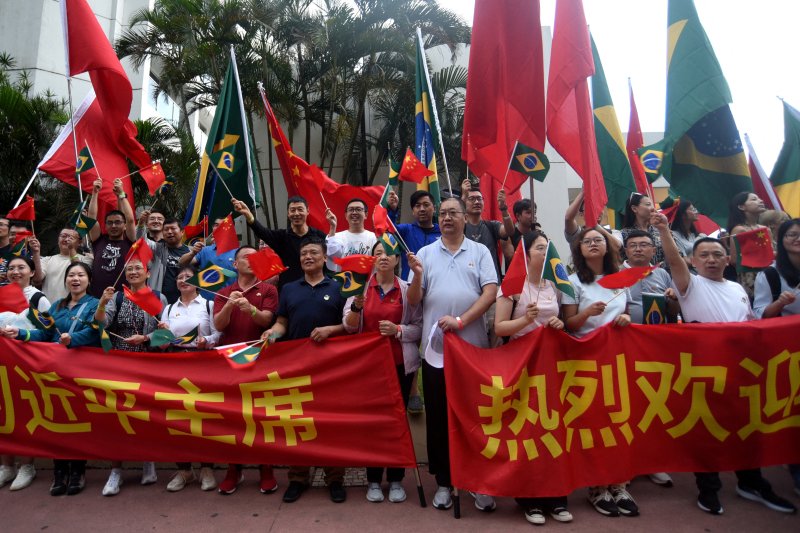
(242, 327)
(390, 308)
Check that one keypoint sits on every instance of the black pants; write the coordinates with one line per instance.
(710, 481)
(65, 467)
(436, 423)
(188, 466)
(375, 473)
(546, 504)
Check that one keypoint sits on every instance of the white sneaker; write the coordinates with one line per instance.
(24, 478)
(374, 493)
(207, 479)
(442, 498)
(661, 478)
(484, 502)
(149, 475)
(114, 482)
(180, 480)
(7, 473)
(397, 493)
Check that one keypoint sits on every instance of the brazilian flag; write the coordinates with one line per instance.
(85, 161)
(785, 175)
(160, 337)
(186, 338)
(427, 141)
(212, 278)
(555, 271)
(41, 319)
(529, 161)
(353, 283)
(18, 249)
(390, 245)
(654, 308)
(394, 172)
(84, 224)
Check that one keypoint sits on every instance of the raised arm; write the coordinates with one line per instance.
(678, 268)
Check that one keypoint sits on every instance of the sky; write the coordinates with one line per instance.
(755, 42)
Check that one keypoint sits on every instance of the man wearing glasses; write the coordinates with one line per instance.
(355, 240)
(456, 281)
(640, 250)
(487, 232)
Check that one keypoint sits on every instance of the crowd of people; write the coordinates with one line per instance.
(448, 281)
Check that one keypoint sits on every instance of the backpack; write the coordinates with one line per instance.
(774, 280)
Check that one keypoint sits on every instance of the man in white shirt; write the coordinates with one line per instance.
(355, 240)
(708, 297)
(50, 270)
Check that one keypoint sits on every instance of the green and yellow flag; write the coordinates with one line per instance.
(555, 271)
(785, 176)
(211, 279)
(160, 337)
(40, 319)
(394, 172)
(187, 338)
(353, 283)
(390, 245)
(611, 150)
(529, 161)
(85, 161)
(241, 355)
(427, 141)
(654, 308)
(701, 154)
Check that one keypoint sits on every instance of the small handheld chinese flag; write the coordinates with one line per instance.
(154, 177)
(242, 355)
(146, 299)
(23, 211)
(225, 236)
(190, 232)
(625, 278)
(517, 272)
(362, 264)
(413, 170)
(753, 249)
(12, 298)
(141, 251)
(21, 235)
(266, 264)
(380, 220)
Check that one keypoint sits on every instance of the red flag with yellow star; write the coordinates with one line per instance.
(753, 249)
(154, 177)
(265, 263)
(141, 251)
(625, 278)
(225, 236)
(413, 170)
(361, 264)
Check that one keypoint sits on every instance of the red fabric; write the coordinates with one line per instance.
(297, 405)
(146, 299)
(625, 278)
(12, 298)
(517, 272)
(23, 211)
(154, 176)
(241, 327)
(505, 90)
(618, 403)
(225, 236)
(21, 235)
(265, 263)
(634, 142)
(190, 232)
(702, 225)
(299, 182)
(361, 264)
(761, 184)
(89, 51)
(390, 308)
(570, 120)
(413, 170)
(755, 247)
(380, 220)
(141, 251)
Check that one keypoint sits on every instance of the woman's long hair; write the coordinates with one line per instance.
(782, 262)
(610, 260)
(736, 216)
(629, 218)
(680, 215)
(68, 298)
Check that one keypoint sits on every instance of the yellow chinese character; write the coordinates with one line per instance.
(109, 390)
(190, 412)
(578, 403)
(656, 397)
(616, 384)
(699, 411)
(8, 403)
(282, 411)
(46, 418)
(772, 404)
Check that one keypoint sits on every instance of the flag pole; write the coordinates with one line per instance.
(27, 187)
(433, 108)
(510, 160)
(74, 135)
(137, 171)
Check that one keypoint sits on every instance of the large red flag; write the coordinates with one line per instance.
(265, 263)
(12, 298)
(146, 299)
(517, 272)
(225, 236)
(761, 184)
(570, 121)
(300, 181)
(505, 91)
(634, 142)
(24, 211)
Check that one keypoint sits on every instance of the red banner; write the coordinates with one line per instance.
(548, 413)
(335, 403)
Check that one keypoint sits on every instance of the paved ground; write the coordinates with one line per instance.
(139, 508)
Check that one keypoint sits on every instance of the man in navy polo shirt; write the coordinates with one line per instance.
(310, 307)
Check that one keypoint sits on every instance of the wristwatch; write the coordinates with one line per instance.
(122, 196)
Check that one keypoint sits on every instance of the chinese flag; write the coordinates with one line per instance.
(12, 298)
(517, 272)
(20, 236)
(413, 170)
(190, 232)
(265, 263)
(141, 251)
(154, 177)
(570, 120)
(633, 143)
(380, 220)
(146, 299)
(317, 176)
(754, 248)
(225, 236)
(23, 211)
(625, 278)
(361, 264)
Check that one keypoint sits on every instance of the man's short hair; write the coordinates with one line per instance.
(19, 224)
(703, 240)
(173, 220)
(520, 206)
(352, 200)
(116, 212)
(308, 241)
(637, 233)
(158, 212)
(416, 196)
(243, 247)
(457, 199)
(296, 200)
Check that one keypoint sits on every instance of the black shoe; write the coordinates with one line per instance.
(338, 494)
(293, 491)
(766, 497)
(76, 483)
(708, 501)
(59, 486)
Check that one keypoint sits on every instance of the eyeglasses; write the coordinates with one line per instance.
(596, 240)
(115, 222)
(452, 213)
(792, 236)
(355, 209)
(475, 199)
(639, 245)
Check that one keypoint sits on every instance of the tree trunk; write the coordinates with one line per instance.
(364, 148)
(348, 162)
(305, 104)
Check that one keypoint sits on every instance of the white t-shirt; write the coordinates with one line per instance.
(588, 293)
(54, 267)
(707, 300)
(346, 243)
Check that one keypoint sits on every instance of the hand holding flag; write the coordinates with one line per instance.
(146, 299)
(413, 170)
